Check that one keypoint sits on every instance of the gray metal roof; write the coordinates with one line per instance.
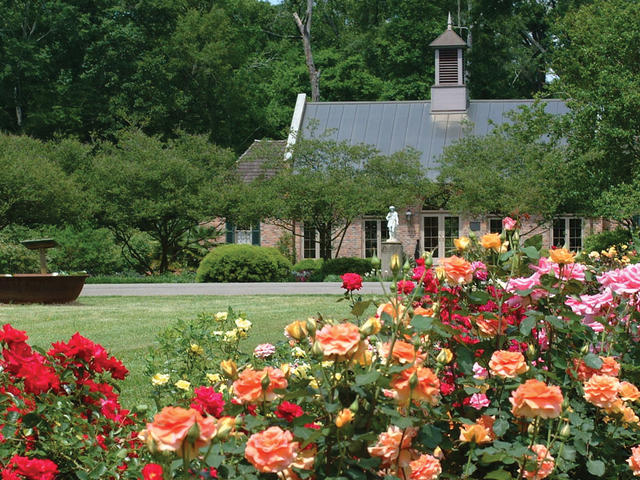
(448, 38)
(394, 126)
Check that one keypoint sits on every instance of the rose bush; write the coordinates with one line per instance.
(505, 362)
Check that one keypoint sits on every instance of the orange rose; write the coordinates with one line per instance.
(345, 416)
(425, 467)
(403, 352)
(491, 241)
(271, 450)
(536, 399)
(629, 416)
(250, 385)
(629, 392)
(561, 256)
(427, 385)
(506, 364)
(634, 460)
(424, 312)
(488, 327)
(609, 367)
(457, 270)
(479, 432)
(544, 463)
(394, 446)
(171, 427)
(339, 342)
(602, 390)
(461, 243)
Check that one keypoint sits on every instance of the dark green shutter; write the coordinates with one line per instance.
(230, 232)
(255, 234)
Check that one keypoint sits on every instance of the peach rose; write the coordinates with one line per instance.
(491, 241)
(488, 327)
(474, 433)
(457, 270)
(506, 364)
(536, 399)
(394, 446)
(634, 460)
(424, 312)
(609, 367)
(545, 463)
(425, 467)
(393, 308)
(602, 390)
(629, 392)
(403, 352)
(628, 415)
(271, 450)
(172, 425)
(339, 342)
(561, 256)
(427, 388)
(250, 388)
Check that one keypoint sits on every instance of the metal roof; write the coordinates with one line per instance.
(448, 38)
(394, 126)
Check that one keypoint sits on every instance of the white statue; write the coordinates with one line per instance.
(392, 222)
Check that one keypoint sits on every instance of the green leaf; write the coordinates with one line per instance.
(500, 426)
(592, 360)
(465, 359)
(596, 467)
(360, 307)
(367, 378)
(535, 241)
(531, 252)
(421, 323)
(430, 436)
(499, 474)
(478, 297)
(526, 325)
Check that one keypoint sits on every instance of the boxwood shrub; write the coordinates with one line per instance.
(339, 266)
(243, 263)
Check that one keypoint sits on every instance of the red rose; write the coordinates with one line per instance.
(351, 281)
(406, 286)
(33, 469)
(10, 335)
(152, 471)
(289, 411)
(38, 378)
(207, 400)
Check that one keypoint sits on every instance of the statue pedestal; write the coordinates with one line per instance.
(389, 248)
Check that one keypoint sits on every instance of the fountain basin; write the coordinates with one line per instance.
(40, 288)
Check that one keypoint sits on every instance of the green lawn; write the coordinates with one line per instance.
(127, 326)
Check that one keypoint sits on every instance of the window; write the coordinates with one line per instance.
(567, 232)
(495, 225)
(439, 231)
(375, 232)
(310, 246)
(243, 234)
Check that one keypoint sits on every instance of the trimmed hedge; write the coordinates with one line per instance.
(243, 263)
(605, 239)
(342, 265)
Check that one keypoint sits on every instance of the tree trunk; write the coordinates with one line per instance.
(305, 31)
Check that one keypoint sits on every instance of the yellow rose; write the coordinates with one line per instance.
(491, 241)
(221, 316)
(230, 335)
(229, 368)
(462, 243)
(197, 349)
(183, 385)
(243, 324)
(214, 377)
(561, 256)
(160, 379)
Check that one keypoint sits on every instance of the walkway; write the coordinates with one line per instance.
(284, 288)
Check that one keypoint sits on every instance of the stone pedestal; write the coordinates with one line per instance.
(389, 248)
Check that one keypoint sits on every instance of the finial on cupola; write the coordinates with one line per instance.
(449, 22)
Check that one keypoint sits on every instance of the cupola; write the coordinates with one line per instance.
(449, 94)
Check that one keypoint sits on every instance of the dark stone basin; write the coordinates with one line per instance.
(40, 288)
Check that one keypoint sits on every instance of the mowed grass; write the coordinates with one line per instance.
(128, 326)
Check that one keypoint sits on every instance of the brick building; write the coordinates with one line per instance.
(428, 127)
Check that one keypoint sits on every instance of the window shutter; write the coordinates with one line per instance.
(255, 234)
(230, 231)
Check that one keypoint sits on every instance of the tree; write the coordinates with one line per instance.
(598, 66)
(327, 184)
(165, 189)
(516, 168)
(33, 188)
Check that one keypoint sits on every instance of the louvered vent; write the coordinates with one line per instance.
(448, 67)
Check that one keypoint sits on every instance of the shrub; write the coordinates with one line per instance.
(308, 264)
(604, 240)
(342, 265)
(243, 263)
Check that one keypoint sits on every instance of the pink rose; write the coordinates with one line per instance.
(508, 223)
(479, 401)
(623, 281)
